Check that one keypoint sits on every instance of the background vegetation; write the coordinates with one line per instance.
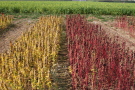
(56, 7)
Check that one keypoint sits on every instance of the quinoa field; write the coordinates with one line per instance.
(67, 45)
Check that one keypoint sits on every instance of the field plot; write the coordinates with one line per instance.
(78, 46)
(31, 57)
(98, 61)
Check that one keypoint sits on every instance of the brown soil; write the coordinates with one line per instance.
(19, 27)
(92, 18)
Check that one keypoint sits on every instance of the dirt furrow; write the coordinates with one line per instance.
(61, 75)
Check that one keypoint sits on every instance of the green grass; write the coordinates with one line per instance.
(66, 7)
(26, 15)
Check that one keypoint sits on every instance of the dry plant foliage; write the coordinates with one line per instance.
(31, 57)
(5, 21)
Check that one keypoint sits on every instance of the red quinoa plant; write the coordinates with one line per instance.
(126, 23)
(97, 61)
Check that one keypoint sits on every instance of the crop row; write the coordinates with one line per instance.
(28, 63)
(5, 21)
(67, 7)
(98, 61)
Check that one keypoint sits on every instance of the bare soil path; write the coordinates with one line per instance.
(19, 27)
